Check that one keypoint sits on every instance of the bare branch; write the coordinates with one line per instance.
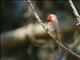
(75, 11)
(36, 15)
(58, 43)
(23, 35)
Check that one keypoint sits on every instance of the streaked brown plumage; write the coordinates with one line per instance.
(53, 26)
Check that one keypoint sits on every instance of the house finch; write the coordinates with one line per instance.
(54, 29)
(53, 26)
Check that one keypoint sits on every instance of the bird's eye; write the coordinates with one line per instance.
(50, 17)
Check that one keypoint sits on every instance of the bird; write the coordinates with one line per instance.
(53, 26)
(54, 29)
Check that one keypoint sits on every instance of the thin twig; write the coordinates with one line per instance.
(36, 15)
(58, 43)
(75, 11)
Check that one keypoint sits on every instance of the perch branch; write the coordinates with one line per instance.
(58, 43)
(22, 36)
(75, 11)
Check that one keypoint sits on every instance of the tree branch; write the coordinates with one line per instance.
(23, 35)
(75, 11)
(58, 43)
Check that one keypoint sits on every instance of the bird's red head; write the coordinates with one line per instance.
(52, 18)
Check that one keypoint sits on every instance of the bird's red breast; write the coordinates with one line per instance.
(52, 18)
